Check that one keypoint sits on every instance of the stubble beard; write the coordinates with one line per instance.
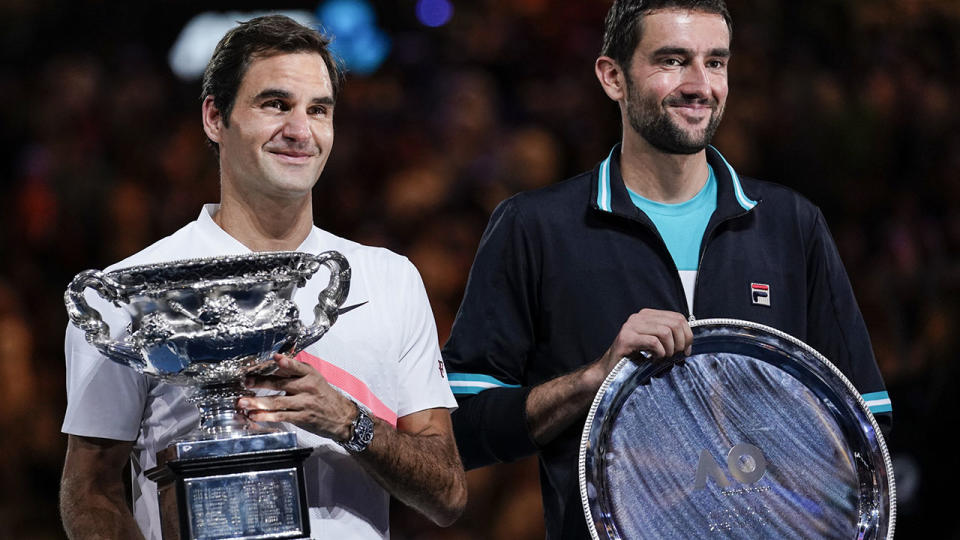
(650, 119)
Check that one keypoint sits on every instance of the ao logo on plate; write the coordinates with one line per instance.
(745, 462)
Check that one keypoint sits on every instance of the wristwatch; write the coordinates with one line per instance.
(361, 432)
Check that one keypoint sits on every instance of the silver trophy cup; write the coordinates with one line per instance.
(206, 324)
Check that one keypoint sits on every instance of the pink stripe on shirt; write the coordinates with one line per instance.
(343, 380)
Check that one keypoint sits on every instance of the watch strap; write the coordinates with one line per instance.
(361, 432)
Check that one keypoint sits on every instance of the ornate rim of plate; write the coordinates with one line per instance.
(874, 468)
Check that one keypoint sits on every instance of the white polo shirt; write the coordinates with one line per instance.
(383, 354)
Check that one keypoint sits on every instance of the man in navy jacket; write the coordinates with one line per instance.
(571, 278)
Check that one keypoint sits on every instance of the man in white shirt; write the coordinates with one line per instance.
(268, 99)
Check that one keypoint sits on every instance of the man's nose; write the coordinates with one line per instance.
(297, 125)
(696, 81)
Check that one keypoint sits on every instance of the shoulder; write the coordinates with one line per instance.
(574, 190)
(779, 200)
(374, 265)
(551, 202)
(361, 253)
(169, 248)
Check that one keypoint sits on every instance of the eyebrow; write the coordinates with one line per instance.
(665, 51)
(278, 93)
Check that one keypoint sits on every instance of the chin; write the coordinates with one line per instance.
(292, 179)
(298, 191)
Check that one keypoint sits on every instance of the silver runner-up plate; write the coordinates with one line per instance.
(754, 435)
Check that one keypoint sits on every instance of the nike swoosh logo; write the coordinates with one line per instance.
(343, 310)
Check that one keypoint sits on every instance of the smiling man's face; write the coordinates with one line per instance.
(677, 80)
(280, 129)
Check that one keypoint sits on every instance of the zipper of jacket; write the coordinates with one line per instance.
(664, 250)
(703, 254)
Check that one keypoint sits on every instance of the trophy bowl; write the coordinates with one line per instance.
(205, 324)
(754, 435)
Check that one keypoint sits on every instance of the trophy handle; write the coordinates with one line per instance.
(91, 322)
(329, 300)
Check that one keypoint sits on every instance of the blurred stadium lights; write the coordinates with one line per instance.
(434, 13)
(356, 38)
(194, 46)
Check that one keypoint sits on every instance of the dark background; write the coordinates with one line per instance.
(853, 103)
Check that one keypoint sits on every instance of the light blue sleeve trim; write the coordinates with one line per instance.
(469, 390)
(474, 383)
(745, 202)
(878, 402)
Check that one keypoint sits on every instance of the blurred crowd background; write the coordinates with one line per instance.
(851, 102)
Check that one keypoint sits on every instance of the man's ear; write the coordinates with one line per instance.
(611, 77)
(212, 119)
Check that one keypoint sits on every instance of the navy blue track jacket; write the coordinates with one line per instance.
(560, 269)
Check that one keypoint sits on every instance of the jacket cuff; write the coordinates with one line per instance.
(491, 427)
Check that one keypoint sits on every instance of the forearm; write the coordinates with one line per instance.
(92, 493)
(556, 404)
(648, 334)
(422, 471)
(93, 517)
(417, 462)
(96, 511)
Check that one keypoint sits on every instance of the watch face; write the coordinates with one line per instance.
(363, 431)
(755, 435)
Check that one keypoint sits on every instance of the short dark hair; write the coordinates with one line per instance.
(261, 37)
(624, 24)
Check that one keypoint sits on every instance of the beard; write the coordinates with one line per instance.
(652, 121)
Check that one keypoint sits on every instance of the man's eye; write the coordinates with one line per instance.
(275, 104)
(673, 62)
(319, 111)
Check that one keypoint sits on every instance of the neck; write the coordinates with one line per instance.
(264, 224)
(661, 177)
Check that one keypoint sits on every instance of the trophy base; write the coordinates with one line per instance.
(206, 494)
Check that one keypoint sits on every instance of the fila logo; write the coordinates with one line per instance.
(760, 293)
